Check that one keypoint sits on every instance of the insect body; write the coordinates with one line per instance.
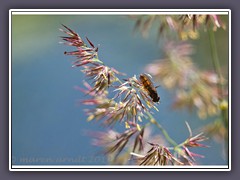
(149, 87)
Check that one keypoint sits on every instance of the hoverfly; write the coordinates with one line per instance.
(149, 87)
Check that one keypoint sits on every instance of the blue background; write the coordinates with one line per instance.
(48, 124)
